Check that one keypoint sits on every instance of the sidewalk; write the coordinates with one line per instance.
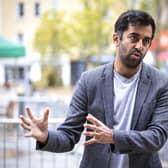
(61, 91)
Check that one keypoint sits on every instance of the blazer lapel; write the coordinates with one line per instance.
(107, 93)
(142, 92)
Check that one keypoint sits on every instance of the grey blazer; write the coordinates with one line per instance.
(94, 94)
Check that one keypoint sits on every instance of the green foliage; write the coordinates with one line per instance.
(80, 33)
(93, 26)
(50, 37)
(51, 77)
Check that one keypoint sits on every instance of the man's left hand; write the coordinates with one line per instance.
(99, 133)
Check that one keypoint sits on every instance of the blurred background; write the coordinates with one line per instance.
(44, 48)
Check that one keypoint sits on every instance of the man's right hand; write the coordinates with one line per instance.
(36, 127)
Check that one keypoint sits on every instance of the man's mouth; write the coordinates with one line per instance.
(136, 54)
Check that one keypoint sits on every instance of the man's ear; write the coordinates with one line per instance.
(116, 39)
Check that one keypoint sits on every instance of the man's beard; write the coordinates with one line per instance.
(130, 62)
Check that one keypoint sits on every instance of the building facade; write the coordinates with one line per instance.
(19, 20)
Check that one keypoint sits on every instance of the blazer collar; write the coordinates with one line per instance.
(142, 92)
(108, 93)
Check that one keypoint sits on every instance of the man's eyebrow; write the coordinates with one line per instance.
(138, 35)
(135, 34)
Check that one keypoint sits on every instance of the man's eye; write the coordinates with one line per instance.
(147, 41)
(133, 39)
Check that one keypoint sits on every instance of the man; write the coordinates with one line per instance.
(125, 104)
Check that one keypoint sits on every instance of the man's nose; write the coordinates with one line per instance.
(139, 45)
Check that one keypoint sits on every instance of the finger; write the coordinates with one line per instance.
(29, 112)
(93, 120)
(91, 126)
(90, 133)
(29, 134)
(45, 114)
(25, 126)
(91, 141)
(24, 120)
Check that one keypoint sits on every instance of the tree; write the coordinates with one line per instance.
(93, 26)
(50, 41)
(81, 33)
(84, 32)
(50, 37)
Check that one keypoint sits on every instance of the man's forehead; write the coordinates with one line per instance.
(140, 29)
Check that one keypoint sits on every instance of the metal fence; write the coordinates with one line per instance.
(16, 151)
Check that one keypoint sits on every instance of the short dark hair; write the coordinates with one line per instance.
(134, 17)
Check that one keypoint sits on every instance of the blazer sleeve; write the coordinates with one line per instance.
(151, 139)
(69, 132)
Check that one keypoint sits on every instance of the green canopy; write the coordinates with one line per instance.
(10, 49)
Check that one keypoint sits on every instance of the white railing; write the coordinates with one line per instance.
(16, 151)
(58, 105)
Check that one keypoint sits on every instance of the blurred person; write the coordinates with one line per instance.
(123, 106)
(8, 100)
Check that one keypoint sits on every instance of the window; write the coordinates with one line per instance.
(15, 73)
(20, 38)
(20, 9)
(37, 9)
